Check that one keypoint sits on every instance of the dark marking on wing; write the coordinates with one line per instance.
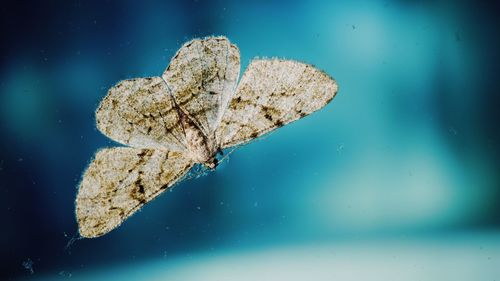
(239, 103)
(138, 193)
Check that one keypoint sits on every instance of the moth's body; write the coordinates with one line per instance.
(194, 110)
(201, 148)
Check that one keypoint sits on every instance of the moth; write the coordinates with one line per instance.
(194, 110)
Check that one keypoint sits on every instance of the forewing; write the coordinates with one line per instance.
(121, 180)
(273, 93)
(140, 113)
(202, 77)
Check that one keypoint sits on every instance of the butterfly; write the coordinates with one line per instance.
(189, 114)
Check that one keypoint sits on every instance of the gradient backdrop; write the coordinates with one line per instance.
(396, 179)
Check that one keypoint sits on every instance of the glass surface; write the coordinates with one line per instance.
(396, 179)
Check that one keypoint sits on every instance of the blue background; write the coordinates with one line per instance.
(396, 178)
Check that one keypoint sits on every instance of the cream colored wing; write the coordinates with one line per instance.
(273, 93)
(141, 113)
(121, 180)
(202, 77)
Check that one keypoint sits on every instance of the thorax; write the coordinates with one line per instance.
(202, 147)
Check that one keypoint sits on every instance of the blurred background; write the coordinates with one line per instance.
(396, 179)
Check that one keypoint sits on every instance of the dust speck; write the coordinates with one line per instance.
(28, 265)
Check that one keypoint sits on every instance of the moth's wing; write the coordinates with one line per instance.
(121, 180)
(140, 113)
(273, 93)
(202, 77)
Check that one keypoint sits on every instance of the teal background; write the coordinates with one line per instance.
(396, 179)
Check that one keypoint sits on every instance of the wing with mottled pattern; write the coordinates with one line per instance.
(202, 77)
(119, 181)
(271, 94)
(140, 113)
